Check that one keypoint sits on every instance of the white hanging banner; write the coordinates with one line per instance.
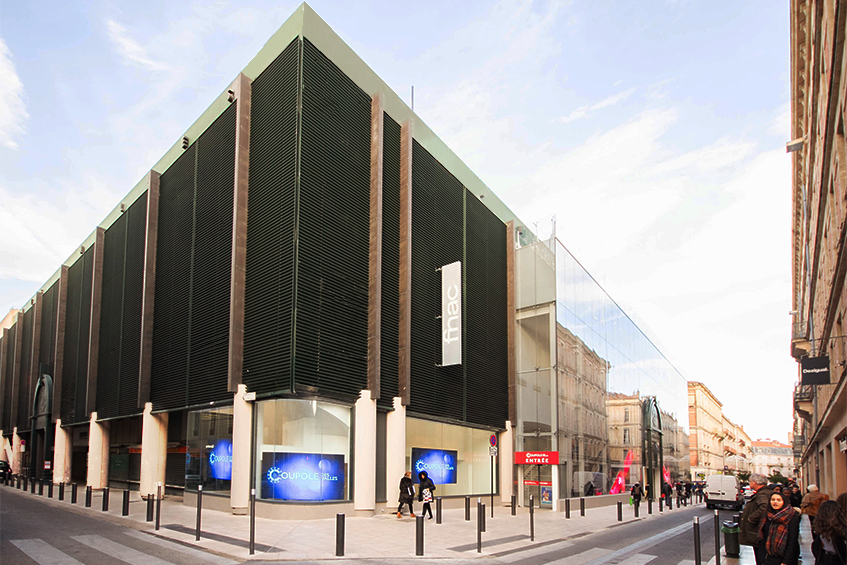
(451, 314)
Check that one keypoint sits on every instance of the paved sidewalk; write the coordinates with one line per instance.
(382, 536)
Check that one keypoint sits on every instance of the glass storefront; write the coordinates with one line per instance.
(455, 457)
(208, 458)
(303, 450)
(586, 373)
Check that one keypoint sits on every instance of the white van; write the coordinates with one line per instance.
(724, 491)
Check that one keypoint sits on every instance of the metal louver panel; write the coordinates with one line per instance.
(47, 349)
(333, 231)
(390, 261)
(269, 285)
(8, 377)
(437, 240)
(120, 318)
(211, 264)
(77, 331)
(25, 381)
(485, 316)
(191, 329)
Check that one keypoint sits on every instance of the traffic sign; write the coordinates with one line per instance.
(492, 441)
(492, 451)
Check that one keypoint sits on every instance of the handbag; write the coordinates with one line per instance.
(427, 495)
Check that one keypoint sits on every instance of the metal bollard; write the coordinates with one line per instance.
(532, 517)
(61, 491)
(339, 535)
(582, 507)
(26, 483)
(513, 505)
(125, 503)
(661, 505)
(150, 500)
(697, 559)
(105, 506)
(483, 516)
(467, 509)
(74, 488)
(478, 515)
(199, 510)
(637, 503)
(567, 508)
(32, 486)
(478, 531)
(253, 525)
(158, 504)
(717, 539)
(670, 503)
(41, 487)
(419, 535)
(438, 510)
(649, 506)
(620, 511)
(50, 489)
(88, 496)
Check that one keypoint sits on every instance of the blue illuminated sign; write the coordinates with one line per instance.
(302, 476)
(440, 464)
(220, 460)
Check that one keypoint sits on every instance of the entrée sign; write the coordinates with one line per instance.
(536, 458)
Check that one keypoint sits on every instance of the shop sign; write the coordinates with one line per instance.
(220, 460)
(48, 465)
(536, 483)
(842, 444)
(451, 314)
(536, 458)
(302, 476)
(492, 451)
(814, 370)
(439, 464)
(546, 496)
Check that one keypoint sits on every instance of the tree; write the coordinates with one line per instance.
(744, 476)
(776, 477)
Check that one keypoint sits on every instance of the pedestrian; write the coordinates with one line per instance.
(407, 494)
(779, 533)
(796, 497)
(680, 494)
(425, 492)
(636, 493)
(753, 512)
(830, 547)
(589, 489)
(810, 503)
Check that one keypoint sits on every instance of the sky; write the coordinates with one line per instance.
(653, 131)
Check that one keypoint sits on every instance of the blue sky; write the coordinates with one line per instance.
(654, 132)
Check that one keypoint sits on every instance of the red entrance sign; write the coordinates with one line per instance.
(536, 458)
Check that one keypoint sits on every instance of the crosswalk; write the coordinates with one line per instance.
(43, 553)
(591, 556)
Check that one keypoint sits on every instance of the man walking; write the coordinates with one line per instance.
(753, 511)
(636, 493)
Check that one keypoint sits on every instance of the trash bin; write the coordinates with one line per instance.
(731, 542)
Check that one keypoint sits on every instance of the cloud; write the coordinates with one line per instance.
(13, 113)
(584, 111)
(130, 49)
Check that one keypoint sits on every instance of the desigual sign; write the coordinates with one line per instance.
(536, 458)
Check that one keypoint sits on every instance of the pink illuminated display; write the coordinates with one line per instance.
(619, 485)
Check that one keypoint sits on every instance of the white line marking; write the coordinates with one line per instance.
(637, 559)
(643, 544)
(584, 557)
(202, 555)
(43, 553)
(119, 551)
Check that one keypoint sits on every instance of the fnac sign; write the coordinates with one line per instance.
(536, 458)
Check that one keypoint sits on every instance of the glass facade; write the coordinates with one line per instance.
(455, 457)
(208, 458)
(587, 375)
(303, 451)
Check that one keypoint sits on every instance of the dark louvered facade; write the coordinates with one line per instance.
(176, 304)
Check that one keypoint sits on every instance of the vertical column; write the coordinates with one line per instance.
(364, 457)
(242, 92)
(511, 322)
(4, 352)
(154, 449)
(395, 449)
(58, 364)
(16, 451)
(98, 453)
(16, 372)
(839, 467)
(62, 454)
(34, 368)
(148, 286)
(506, 456)
(405, 313)
(242, 437)
(94, 334)
(375, 255)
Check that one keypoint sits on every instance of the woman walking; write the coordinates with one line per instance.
(407, 494)
(779, 533)
(425, 493)
(830, 547)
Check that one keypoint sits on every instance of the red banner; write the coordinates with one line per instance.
(536, 458)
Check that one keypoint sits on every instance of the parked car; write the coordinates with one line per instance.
(723, 491)
(5, 470)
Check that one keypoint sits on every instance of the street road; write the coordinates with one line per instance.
(32, 532)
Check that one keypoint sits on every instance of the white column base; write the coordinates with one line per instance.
(63, 447)
(242, 433)
(395, 452)
(98, 453)
(154, 451)
(364, 456)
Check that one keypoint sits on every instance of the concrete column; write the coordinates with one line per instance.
(839, 468)
(98, 453)
(506, 456)
(242, 436)
(395, 450)
(364, 455)
(62, 454)
(154, 450)
(16, 452)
